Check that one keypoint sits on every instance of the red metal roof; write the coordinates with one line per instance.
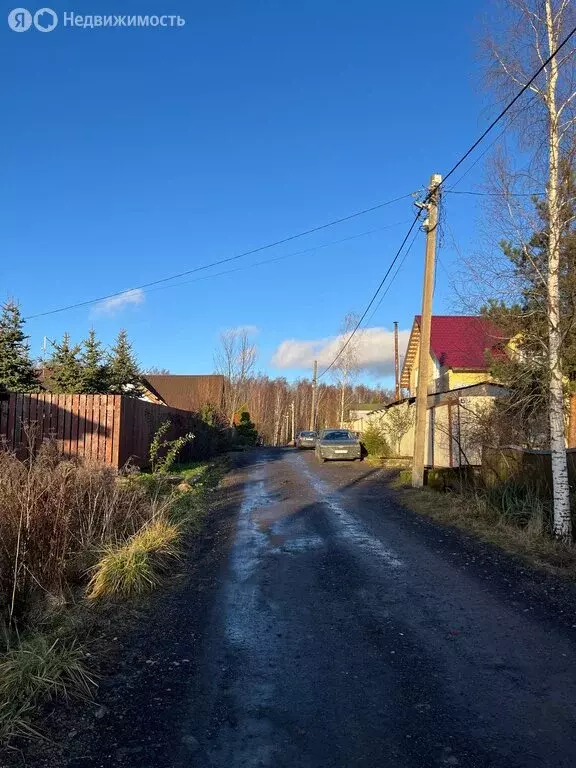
(461, 341)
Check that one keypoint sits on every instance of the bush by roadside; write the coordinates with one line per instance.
(375, 442)
(72, 535)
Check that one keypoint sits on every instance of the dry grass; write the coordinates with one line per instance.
(53, 512)
(135, 566)
(477, 514)
(61, 521)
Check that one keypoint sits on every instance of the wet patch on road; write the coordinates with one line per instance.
(348, 527)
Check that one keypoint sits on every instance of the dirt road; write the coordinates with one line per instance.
(342, 630)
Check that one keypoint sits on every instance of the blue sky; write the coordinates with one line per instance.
(131, 154)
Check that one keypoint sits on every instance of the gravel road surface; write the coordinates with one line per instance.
(342, 630)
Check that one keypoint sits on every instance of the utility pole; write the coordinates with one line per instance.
(430, 226)
(396, 361)
(314, 395)
(293, 421)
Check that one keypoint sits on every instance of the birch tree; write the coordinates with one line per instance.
(347, 363)
(235, 360)
(531, 32)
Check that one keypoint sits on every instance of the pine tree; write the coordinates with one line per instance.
(65, 370)
(95, 374)
(16, 370)
(124, 374)
(525, 371)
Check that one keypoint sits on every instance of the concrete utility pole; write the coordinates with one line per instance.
(396, 361)
(293, 421)
(430, 226)
(314, 395)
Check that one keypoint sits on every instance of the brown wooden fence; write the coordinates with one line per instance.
(110, 429)
(526, 467)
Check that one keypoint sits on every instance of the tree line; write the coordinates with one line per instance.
(85, 367)
(269, 401)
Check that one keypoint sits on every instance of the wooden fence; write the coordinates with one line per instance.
(525, 467)
(110, 429)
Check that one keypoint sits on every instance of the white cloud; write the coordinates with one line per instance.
(375, 351)
(118, 303)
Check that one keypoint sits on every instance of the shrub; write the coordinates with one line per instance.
(135, 566)
(52, 512)
(163, 453)
(374, 440)
(246, 432)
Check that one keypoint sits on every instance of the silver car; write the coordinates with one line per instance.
(338, 444)
(305, 440)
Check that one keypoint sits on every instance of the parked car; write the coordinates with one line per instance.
(305, 440)
(338, 444)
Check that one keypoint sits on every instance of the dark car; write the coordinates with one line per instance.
(338, 444)
(305, 440)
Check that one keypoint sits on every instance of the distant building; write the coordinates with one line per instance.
(359, 410)
(187, 392)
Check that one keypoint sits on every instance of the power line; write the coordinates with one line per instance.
(251, 252)
(375, 294)
(313, 249)
(400, 265)
(506, 109)
(445, 178)
(494, 141)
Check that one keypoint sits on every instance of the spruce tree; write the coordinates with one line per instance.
(124, 374)
(246, 431)
(95, 379)
(64, 368)
(16, 370)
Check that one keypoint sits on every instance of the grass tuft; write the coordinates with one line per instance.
(135, 566)
(39, 668)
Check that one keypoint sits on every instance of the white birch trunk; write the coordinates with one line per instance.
(561, 491)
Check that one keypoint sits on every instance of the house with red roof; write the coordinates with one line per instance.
(460, 348)
(460, 389)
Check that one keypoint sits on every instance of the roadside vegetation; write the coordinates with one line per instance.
(375, 442)
(72, 536)
(513, 516)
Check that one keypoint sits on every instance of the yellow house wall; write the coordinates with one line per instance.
(458, 379)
